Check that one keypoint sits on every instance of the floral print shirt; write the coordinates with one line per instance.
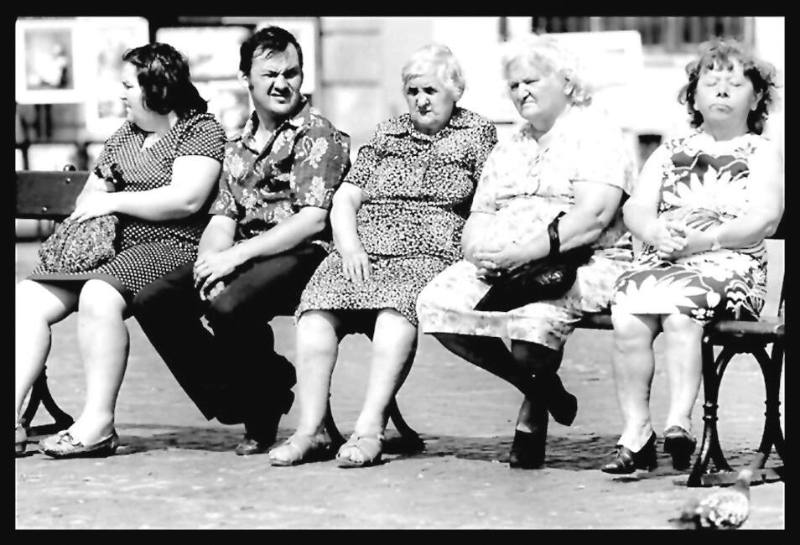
(302, 164)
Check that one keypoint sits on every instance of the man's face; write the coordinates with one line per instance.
(274, 82)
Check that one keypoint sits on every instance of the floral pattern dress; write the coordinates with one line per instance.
(525, 184)
(704, 184)
(417, 192)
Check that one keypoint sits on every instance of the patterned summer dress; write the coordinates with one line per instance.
(704, 183)
(148, 249)
(417, 191)
(525, 184)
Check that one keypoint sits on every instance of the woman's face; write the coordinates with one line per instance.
(429, 103)
(725, 95)
(538, 94)
(133, 98)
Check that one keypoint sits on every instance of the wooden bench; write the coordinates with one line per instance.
(51, 195)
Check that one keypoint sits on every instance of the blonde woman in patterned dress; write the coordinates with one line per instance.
(703, 206)
(396, 220)
(168, 156)
(566, 158)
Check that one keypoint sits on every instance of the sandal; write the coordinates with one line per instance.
(64, 445)
(370, 448)
(20, 440)
(302, 449)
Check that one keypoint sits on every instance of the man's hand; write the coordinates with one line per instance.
(212, 266)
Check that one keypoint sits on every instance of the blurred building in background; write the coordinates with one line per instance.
(352, 67)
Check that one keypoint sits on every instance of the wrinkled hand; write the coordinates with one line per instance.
(213, 266)
(693, 242)
(493, 262)
(667, 237)
(356, 264)
(92, 205)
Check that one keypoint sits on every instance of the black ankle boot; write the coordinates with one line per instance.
(626, 461)
(528, 447)
(680, 444)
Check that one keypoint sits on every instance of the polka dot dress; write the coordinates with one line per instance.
(417, 191)
(148, 249)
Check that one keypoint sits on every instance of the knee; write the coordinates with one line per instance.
(631, 330)
(100, 300)
(316, 335)
(538, 358)
(682, 326)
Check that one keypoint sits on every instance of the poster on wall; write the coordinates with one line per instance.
(46, 69)
(212, 52)
(229, 101)
(103, 41)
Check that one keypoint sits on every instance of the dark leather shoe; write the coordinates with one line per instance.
(527, 449)
(565, 409)
(626, 461)
(680, 444)
(251, 445)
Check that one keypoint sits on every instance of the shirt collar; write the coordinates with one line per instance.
(460, 119)
(299, 119)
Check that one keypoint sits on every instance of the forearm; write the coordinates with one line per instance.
(744, 231)
(640, 219)
(345, 230)
(284, 236)
(159, 204)
(475, 232)
(214, 240)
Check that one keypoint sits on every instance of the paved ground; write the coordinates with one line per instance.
(176, 470)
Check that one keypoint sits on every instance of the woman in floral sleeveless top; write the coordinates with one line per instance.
(703, 206)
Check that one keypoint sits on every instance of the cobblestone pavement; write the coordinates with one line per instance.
(176, 470)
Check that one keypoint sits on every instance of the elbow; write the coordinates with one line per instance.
(187, 207)
(770, 227)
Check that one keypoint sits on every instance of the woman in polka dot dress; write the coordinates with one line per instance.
(397, 222)
(167, 157)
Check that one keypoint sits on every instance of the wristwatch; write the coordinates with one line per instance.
(715, 245)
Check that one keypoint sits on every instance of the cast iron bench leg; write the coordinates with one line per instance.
(710, 449)
(40, 393)
(772, 435)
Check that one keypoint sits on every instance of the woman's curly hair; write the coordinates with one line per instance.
(720, 52)
(163, 74)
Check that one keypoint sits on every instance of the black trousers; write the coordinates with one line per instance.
(232, 374)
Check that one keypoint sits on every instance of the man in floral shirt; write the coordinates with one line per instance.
(268, 232)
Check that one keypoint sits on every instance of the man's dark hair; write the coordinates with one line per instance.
(271, 38)
(163, 75)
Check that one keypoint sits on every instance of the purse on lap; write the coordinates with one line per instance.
(540, 280)
(75, 247)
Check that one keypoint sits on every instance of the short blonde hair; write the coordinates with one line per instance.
(548, 53)
(443, 62)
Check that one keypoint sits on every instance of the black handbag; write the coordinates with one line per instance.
(540, 280)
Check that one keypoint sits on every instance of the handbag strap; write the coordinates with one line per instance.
(552, 233)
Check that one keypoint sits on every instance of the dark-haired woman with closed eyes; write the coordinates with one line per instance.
(166, 159)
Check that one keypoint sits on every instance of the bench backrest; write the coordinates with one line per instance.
(48, 194)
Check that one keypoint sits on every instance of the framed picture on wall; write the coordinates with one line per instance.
(213, 52)
(46, 69)
(229, 101)
(103, 40)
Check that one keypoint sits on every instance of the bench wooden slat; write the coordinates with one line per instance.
(765, 327)
(48, 194)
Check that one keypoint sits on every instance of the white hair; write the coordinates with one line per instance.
(441, 59)
(548, 53)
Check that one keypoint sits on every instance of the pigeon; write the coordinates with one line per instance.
(724, 509)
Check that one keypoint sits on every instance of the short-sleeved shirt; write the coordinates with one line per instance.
(526, 183)
(301, 165)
